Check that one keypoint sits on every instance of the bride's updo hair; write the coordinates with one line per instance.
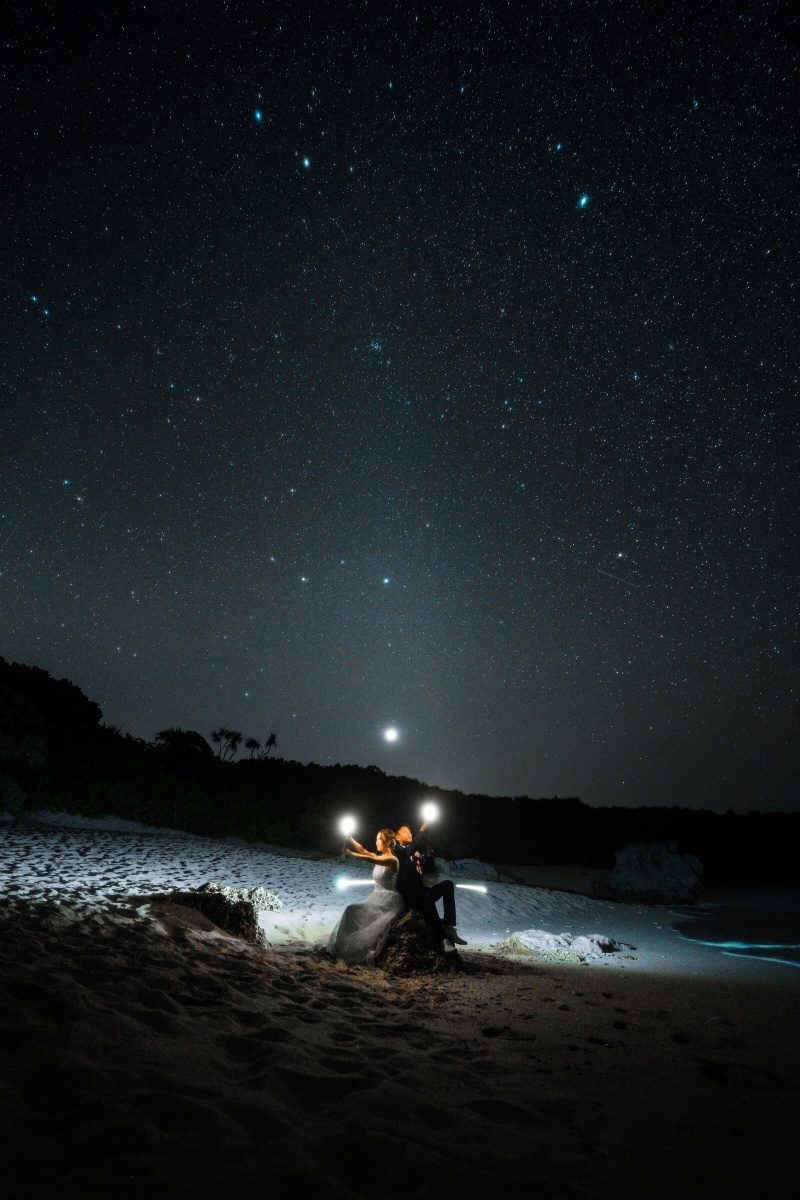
(387, 836)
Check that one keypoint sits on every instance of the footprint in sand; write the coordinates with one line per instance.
(267, 1032)
(315, 1092)
(257, 1123)
(501, 1111)
(401, 1029)
(345, 1064)
(432, 1117)
(285, 983)
(172, 1113)
(684, 1038)
(248, 1049)
(248, 1017)
(155, 998)
(741, 1075)
(187, 1001)
(155, 1018)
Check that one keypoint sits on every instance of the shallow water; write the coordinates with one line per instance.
(766, 928)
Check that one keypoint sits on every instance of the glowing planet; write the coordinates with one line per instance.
(390, 735)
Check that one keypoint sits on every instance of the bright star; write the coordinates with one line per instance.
(306, 163)
(259, 116)
(386, 579)
(390, 735)
(584, 200)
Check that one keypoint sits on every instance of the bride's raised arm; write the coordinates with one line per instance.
(387, 860)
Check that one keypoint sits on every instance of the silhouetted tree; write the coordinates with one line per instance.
(58, 700)
(185, 744)
(227, 742)
(270, 743)
(252, 744)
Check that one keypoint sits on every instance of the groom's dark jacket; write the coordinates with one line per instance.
(409, 872)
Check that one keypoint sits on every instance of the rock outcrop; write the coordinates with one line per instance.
(465, 868)
(655, 874)
(539, 942)
(234, 910)
(410, 949)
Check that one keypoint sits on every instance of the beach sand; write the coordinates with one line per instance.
(145, 1053)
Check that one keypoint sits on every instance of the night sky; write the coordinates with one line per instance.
(425, 366)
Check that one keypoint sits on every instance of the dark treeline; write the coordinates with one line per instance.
(56, 753)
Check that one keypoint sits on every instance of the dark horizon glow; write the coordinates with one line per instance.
(420, 369)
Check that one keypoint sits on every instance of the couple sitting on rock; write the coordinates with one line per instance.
(363, 928)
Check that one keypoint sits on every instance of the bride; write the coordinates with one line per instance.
(362, 928)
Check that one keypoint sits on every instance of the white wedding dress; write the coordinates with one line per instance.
(362, 928)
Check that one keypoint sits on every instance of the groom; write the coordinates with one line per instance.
(416, 895)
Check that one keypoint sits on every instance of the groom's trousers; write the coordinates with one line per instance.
(426, 903)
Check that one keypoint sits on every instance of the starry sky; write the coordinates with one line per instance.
(417, 366)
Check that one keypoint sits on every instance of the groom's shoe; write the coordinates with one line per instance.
(448, 946)
(451, 933)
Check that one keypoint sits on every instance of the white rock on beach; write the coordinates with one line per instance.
(465, 868)
(585, 947)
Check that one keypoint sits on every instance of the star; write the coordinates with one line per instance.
(583, 201)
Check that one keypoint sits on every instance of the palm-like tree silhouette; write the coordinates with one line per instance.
(252, 744)
(270, 743)
(227, 742)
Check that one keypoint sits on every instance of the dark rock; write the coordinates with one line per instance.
(411, 949)
(655, 874)
(238, 917)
